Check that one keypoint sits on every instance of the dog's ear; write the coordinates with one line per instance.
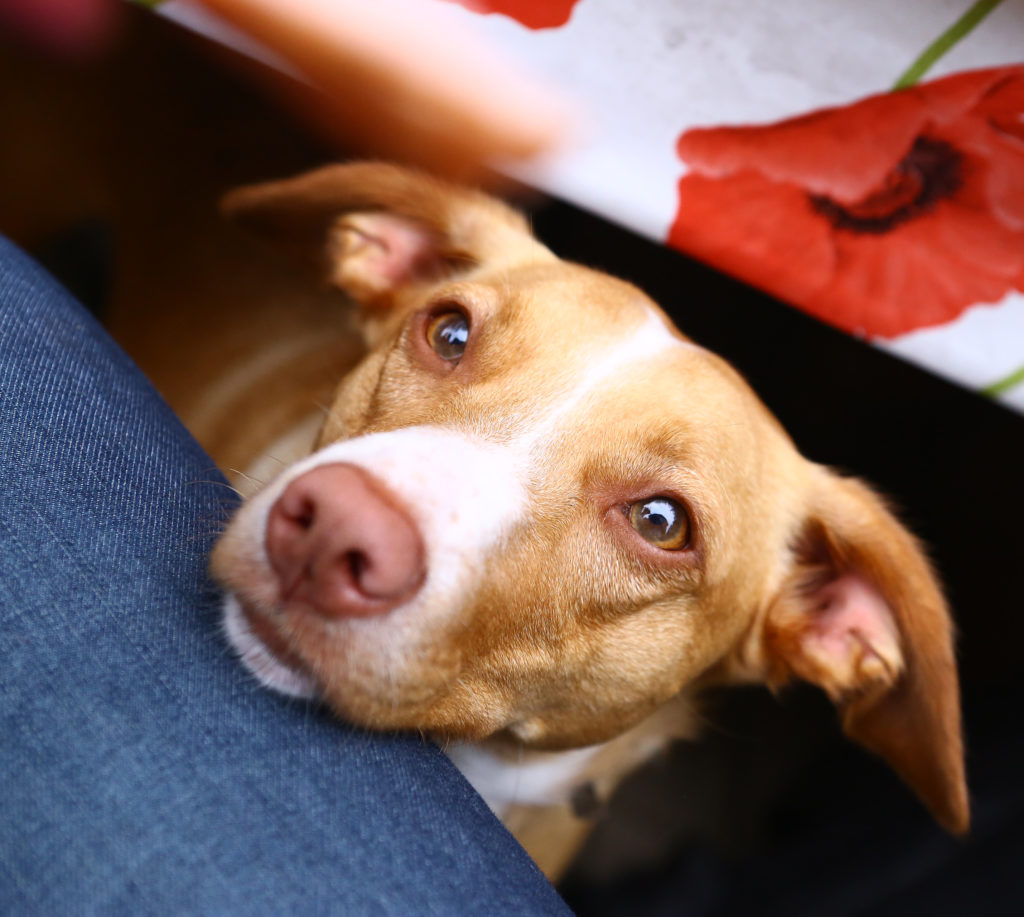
(373, 229)
(862, 615)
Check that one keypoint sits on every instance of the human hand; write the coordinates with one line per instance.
(400, 80)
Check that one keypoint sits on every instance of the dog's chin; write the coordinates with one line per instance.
(357, 693)
(264, 663)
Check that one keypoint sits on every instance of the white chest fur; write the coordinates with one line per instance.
(506, 775)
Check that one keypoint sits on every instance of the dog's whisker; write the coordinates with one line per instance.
(248, 477)
(329, 412)
(214, 483)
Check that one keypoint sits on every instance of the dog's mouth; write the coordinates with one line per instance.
(355, 687)
(265, 653)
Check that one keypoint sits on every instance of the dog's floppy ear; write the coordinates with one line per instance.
(372, 229)
(862, 616)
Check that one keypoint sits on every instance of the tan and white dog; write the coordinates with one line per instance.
(536, 520)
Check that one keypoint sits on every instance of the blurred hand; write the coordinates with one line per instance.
(392, 78)
(402, 81)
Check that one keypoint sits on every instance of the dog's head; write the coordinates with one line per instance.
(536, 508)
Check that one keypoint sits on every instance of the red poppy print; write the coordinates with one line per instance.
(534, 14)
(893, 213)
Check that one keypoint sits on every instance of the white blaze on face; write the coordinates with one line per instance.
(650, 338)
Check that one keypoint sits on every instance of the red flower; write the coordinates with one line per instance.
(893, 213)
(534, 14)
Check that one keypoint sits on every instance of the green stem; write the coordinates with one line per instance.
(1005, 384)
(963, 26)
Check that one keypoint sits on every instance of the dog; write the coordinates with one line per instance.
(535, 521)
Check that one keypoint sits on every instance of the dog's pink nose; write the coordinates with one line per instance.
(339, 543)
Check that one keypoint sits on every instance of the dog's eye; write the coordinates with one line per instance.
(448, 334)
(661, 521)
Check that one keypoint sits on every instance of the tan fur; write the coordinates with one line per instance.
(580, 631)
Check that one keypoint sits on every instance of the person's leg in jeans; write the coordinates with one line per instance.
(141, 770)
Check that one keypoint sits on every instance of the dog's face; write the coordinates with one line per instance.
(536, 508)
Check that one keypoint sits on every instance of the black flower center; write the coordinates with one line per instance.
(929, 173)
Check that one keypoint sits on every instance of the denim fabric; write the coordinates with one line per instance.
(141, 770)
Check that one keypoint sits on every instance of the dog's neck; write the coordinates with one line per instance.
(506, 773)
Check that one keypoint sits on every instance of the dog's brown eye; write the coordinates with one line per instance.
(661, 521)
(448, 334)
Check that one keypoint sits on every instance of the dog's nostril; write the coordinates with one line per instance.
(302, 514)
(358, 563)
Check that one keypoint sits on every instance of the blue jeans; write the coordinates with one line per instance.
(141, 769)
